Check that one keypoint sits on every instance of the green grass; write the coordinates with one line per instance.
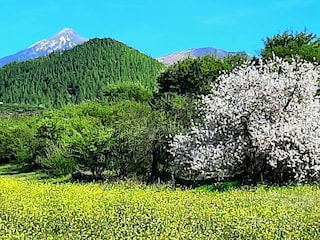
(15, 171)
(221, 187)
(25, 173)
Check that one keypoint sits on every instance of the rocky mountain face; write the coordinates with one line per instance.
(64, 40)
(194, 52)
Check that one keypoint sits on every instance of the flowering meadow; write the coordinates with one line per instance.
(37, 210)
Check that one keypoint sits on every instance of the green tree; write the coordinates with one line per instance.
(289, 44)
(128, 90)
(194, 76)
(182, 84)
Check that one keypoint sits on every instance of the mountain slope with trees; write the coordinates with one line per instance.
(76, 75)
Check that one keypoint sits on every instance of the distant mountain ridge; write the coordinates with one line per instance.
(64, 40)
(194, 52)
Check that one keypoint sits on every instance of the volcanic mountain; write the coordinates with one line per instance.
(63, 40)
(194, 52)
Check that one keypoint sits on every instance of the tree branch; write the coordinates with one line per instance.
(290, 98)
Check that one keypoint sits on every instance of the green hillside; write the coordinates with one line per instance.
(76, 75)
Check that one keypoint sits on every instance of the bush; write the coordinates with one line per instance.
(92, 149)
(126, 138)
(17, 140)
(128, 90)
(56, 161)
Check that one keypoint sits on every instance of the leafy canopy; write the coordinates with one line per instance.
(289, 44)
(194, 76)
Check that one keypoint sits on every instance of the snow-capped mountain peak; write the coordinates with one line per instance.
(66, 39)
(63, 40)
(66, 31)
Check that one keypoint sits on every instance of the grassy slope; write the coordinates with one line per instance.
(34, 210)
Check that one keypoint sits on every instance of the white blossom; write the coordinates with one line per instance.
(259, 119)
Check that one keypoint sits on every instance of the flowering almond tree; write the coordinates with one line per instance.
(261, 121)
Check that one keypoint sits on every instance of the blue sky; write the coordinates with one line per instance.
(158, 27)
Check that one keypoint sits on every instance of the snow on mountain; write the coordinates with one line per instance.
(194, 52)
(63, 40)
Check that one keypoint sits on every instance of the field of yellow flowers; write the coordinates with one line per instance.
(35, 210)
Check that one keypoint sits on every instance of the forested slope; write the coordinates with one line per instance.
(76, 75)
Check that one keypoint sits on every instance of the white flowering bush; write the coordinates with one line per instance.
(261, 121)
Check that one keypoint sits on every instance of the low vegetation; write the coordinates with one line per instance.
(31, 210)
